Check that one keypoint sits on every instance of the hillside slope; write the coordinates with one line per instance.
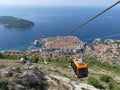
(57, 75)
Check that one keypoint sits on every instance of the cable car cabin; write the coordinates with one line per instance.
(80, 68)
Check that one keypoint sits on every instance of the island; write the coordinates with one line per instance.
(15, 23)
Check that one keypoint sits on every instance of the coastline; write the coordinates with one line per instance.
(31, 44)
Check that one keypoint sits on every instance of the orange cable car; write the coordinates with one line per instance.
(80, 68)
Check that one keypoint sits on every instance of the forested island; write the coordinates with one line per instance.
(15, 23)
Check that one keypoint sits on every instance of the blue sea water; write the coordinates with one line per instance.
(54, 21)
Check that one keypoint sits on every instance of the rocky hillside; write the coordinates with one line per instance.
(22, 75)
(16, 75)
(57, 75)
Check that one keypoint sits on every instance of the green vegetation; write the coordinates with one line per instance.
(15, 23)
(62, 67)
(116, 42)
(24, 56)
(34, 59)
(10, 57)
(118, 49)
(1, 56)
(113, 86)
(103, 65)
(17, 69)
(106, 78)
(94, 82)
(60, 62)
(3, 84)
(107, 81)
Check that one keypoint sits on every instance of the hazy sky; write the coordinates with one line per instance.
(57, 2)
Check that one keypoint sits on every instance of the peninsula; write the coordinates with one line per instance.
(15, 23)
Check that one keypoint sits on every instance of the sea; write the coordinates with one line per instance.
(58, 21)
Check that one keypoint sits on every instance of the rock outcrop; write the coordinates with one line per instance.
(24, 76)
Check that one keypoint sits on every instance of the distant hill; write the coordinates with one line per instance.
(11, 22)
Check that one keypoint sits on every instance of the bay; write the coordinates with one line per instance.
(55, 21)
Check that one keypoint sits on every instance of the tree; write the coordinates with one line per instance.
(1, 56)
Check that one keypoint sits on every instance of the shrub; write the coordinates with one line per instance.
(106, 78)
(113, 86)
(8, 56)
(94, 82)
(17, 69)
(1, 56)
(3, 84)
(34, 59)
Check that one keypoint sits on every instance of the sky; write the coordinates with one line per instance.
(46, 3)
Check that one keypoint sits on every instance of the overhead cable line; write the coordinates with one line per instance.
(86, 22)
